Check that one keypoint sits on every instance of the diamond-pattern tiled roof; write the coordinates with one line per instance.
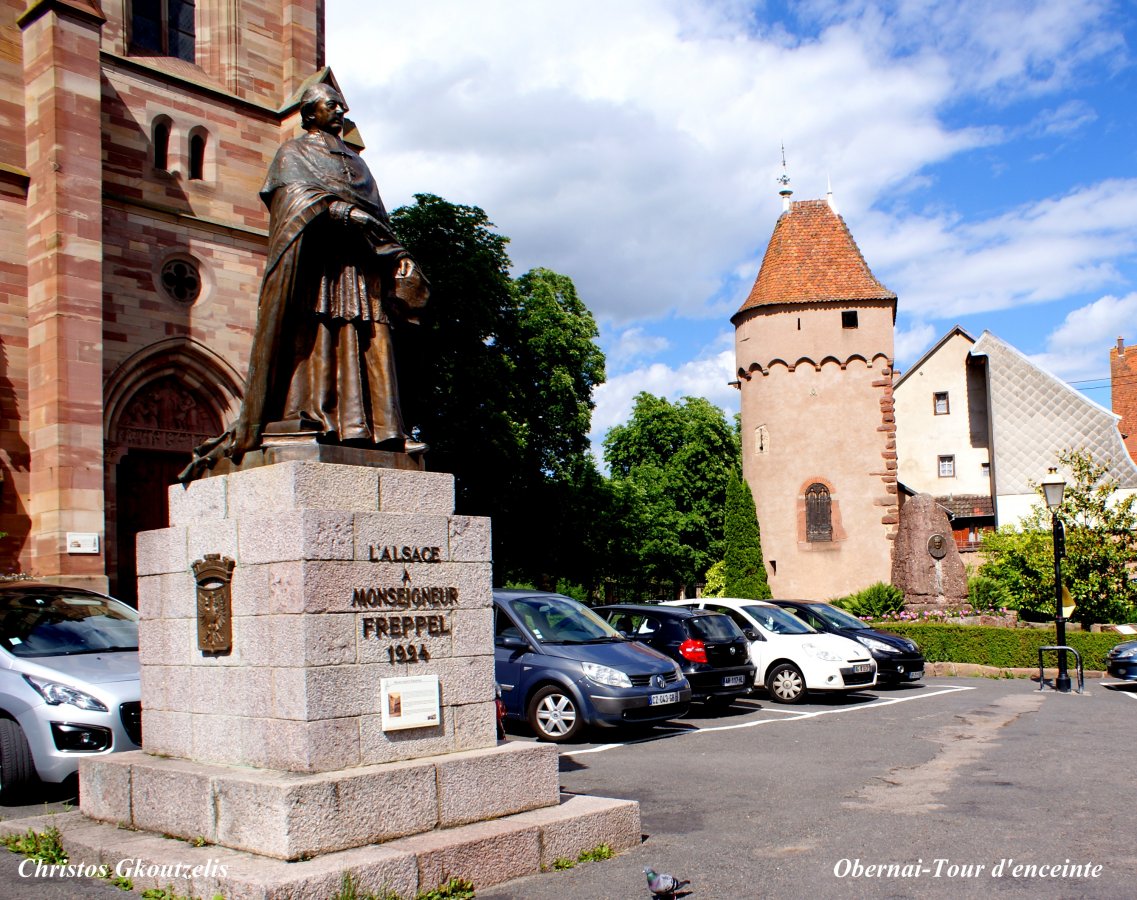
(1035, 415)
(812, 257)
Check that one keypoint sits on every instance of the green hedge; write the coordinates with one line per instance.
(1007, 648)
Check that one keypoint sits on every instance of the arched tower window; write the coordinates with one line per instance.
(818, 513)
(162, 144)
(165, 27)
(197, 156)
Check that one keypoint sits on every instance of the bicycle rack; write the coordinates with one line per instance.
(1077, 659)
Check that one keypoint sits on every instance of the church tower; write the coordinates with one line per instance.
(814, 350)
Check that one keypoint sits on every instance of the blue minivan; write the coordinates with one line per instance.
(561, 667)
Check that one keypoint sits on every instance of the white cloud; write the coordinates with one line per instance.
(911, 344)
(1079, 348)
(633, 344)
(639, 157)
(942, 267)
(707, 377)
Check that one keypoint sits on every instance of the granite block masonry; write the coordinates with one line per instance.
(348, 701)
(343, 576)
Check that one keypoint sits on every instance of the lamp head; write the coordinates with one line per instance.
(1053, 487)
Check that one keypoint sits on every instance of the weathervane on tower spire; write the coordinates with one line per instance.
(784, 181)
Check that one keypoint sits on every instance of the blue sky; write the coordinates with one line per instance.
(984, 155)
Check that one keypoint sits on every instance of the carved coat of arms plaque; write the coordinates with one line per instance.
(214, 603)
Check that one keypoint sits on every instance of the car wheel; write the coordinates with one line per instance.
(553, 714)
(17, 771)
(786, 684)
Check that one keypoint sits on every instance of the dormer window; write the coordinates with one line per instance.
(164, 27)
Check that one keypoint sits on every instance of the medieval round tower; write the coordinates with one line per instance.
(814, 350)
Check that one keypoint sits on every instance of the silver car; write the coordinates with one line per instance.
(69, 683)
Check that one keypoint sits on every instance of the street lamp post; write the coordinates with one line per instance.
(1053, 487)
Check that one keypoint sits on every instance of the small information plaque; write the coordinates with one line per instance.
(409, 702)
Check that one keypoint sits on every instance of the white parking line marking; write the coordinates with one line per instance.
(793, 716)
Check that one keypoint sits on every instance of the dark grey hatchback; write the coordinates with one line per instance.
(897, 659)
(710, 649)
(561, 667)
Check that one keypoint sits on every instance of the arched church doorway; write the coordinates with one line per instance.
(156, 433)
(159, 409)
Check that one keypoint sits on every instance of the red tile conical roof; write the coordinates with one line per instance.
(812, 257)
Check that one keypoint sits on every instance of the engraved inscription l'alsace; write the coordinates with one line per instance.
(407, 629)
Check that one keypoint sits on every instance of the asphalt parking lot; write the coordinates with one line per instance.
(927, 783)
(955, 787)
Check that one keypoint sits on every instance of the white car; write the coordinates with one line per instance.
(792, 658)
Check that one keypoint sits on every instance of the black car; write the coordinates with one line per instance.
(897, 658)
(710, 649)
(1121, 662)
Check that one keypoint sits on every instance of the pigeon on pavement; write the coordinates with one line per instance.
(661, 884)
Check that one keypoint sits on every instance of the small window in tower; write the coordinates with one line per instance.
(762, 439)
(947, 466)
(940, 401)
(162, 145)
(165, 27)
(985, 469)
(818, 514)
(197, 156)
(849, 318)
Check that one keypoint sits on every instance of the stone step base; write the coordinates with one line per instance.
(293, 816)
(485, 853)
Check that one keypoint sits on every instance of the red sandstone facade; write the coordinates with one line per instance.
(1123, 391)
(814, 348)
(131, 251)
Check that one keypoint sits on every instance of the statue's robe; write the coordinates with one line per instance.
(322, 358)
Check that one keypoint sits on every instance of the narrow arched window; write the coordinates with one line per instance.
(197, 156)
(162, 145)
(818, 514)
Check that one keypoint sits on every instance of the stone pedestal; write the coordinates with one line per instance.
(342, 576)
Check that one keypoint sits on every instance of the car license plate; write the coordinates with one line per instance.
(862, 667)
(661, 699)
(733, 680)
(913, 676)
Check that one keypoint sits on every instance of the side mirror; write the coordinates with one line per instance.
(512, 642)
(752, 634)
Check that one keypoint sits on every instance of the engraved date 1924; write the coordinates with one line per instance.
(408, 653)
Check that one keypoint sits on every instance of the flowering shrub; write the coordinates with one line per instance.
(936, 615)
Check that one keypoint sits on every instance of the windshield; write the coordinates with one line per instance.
(776, 620)
(59, 622)
(559, 620)
(838, 618)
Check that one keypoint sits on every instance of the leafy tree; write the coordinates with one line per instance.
(1101, 548)
(714, 584)
(499, 383)
(676, 459)
(744, 574)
